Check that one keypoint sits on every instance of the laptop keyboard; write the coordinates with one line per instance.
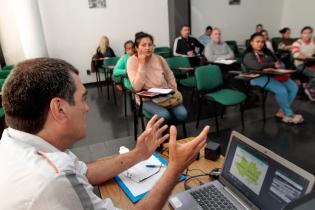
(211, 198)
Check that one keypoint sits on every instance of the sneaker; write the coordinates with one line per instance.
(310, 92)
(295, 119)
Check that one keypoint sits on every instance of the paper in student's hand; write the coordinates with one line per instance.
(160, 90)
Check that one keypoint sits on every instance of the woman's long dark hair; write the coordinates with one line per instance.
(250, 49)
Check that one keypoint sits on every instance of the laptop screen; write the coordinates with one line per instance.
(264, 181)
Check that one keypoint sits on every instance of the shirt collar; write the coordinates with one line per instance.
(33, 140)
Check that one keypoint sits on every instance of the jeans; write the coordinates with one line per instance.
(176, 115)
(285, 91)
(302, 68)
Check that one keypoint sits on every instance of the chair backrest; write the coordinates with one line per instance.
(178, 61)
(275, 41)
(110, 61)
(163, 51)
(208, 77)
(233, 45)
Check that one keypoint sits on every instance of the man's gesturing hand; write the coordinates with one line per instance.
(182, 155)
(151, 138)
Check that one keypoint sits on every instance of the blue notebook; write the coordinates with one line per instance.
(126, 183)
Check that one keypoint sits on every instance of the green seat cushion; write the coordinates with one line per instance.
(189, 82)
(1, 112)
(227, 97)
(4, 73)
(8, 67)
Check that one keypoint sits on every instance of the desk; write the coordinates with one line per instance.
(110, 189)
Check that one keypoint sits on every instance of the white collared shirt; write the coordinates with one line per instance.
(36, 175)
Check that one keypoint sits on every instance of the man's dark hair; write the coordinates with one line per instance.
(307, 28)
(183, 26)
(140, 35)
(29, 89)
(209, 28)
(284, 30)
(259, 25)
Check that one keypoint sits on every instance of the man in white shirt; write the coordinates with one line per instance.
(45, 106)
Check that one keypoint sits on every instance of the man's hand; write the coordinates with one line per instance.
(190, 53)
(182, 155)
(277, 65)
(151, 138)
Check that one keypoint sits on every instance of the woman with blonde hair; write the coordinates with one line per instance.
(104, 49)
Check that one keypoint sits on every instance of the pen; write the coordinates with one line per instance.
(154, 166)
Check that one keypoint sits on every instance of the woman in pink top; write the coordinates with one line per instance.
(146, 70)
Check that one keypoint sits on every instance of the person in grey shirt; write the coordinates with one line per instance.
(206, 37)
(217, 49)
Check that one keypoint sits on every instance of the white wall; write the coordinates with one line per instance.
(297, 14)
(72, 30)
(9, 35)
(236, 22)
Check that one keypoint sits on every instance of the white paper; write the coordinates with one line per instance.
(139, 172)
(160, 90)
(226, 62)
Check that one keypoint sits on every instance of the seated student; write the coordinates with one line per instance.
(284, 47)
(218, 49)
(206, 37)
(188, 46)
(257, 57)
(102, 51)
(286, 42)
(302, 49)
(121, 66)
(146, 70)
(45, 106)
(259, 28)
(267, 41)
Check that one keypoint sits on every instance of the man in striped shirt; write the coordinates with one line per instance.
(45, 106)
(303, 51)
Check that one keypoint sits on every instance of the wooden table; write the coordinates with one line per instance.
(110, 189)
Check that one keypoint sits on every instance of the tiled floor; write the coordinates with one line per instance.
(108, 129)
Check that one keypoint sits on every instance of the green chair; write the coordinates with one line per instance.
(233, 45)
(165, 52)
(107, 68)
(183, 78)
(176, 62)
(8, 67)
(275, 41)
(211, 88)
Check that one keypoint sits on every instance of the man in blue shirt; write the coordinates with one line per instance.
(206, 37)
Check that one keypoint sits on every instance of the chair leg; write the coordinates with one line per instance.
(184, 130)
(142, 122)
(192, 97)
(114, 92)
(125, 102)
(107, 84)
(264, 97)
(135, 124)
(216, 119)
(199, 112)
(242, 116)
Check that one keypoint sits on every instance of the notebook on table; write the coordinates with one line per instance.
(252, 177)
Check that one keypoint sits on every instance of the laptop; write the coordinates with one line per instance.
(252, 177)
(306, 202)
